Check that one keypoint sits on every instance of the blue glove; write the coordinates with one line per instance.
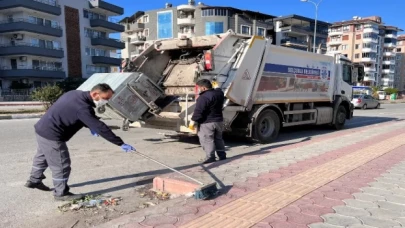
(127, 148)
(94, 133)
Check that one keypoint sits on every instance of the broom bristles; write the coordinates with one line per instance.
(206, 191)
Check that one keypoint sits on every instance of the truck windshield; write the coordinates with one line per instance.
(347, 73)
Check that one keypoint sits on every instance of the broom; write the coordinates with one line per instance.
(204, 192)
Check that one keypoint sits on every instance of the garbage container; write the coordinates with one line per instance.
(393, 96)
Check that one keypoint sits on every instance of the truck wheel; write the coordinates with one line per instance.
(266, 126)
(340, 118)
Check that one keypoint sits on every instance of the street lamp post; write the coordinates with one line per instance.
(316, 20)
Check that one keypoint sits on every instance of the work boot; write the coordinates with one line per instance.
(69, 197)
(221, 155)
(38, 185)
(208, 160)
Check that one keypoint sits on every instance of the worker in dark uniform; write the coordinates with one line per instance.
(209, 120)
(71, 112)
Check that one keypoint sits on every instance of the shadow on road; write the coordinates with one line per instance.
(306, 132)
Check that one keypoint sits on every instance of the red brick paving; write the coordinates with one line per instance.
(321, 201)
(311, 206)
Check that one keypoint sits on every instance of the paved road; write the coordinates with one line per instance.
(101, 168)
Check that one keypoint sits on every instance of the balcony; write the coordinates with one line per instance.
(335, 33)
(45, 6)
(106, 42)
(391, 36)
(135, 27)
(102, 7)
(186, 7)
(107, 25)
(371, 30)
(388, 71)
(335, 42)
(370, 40)
(186, 34)
(136, 53)
(334, 52)
(370, 69)
(22, 24)
(389, 62)
(138, 39)
(369, 60)
(390, 45)
(369, 78)
(388, 53)
(186, 21)
(105, 60)
(30, 49)
(294, 42)
(36, 72)
(374, 50)
(307, 30)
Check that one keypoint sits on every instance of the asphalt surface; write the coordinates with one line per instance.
(101, 168)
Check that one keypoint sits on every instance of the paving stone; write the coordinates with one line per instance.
(324, 225)
(396, 199)
(177, 211)
(379, 223)
(159, 220)
(337, 195)
(368, 197)
(360, 204)
(287, 224)
(384, 214)
(398, 191)
(359, 226)
(401, 221)
(381, 185)
(376, 191)
(314, 210)
(351, 211)
(386, 180)
(391, 206)
(340, 220)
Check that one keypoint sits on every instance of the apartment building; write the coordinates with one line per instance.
(43, 41)
(297, 32)
(399, 81)
(367, 41)
(189, 20)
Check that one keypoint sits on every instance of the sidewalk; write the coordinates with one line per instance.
(349, 179)
(20, 103)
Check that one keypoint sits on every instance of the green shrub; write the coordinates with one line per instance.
(47, 95)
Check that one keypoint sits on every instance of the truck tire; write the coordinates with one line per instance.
(266, 126)
(340, 118)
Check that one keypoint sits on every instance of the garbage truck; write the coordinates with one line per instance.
(266, 87)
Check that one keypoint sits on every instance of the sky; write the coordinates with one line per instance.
(391, 11)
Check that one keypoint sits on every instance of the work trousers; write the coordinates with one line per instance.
(55, 155)
(210, 135)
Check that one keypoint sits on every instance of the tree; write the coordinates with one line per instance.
(375, 90)
(390, 91)
(48, 95)
(70, 84)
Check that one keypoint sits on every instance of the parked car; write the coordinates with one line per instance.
(364, 101)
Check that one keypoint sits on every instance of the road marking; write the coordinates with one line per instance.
(251, 209)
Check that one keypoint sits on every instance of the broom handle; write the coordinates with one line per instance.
(172, 169)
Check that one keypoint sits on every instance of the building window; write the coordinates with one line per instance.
(399, 49)
(85, 13)
(344, 47)
(245, 30)
(345, 37)
(90, 69)
(145, 19)
(346, 28)
(97, 52)
(146, 32)
(356, 56)
(358, 27)
(46, 65)
(94, 34)
(214, 28)
(357, 46)
(358, 36)
(214, 12)
(261, 32)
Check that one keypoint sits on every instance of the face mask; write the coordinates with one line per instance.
(101, 102)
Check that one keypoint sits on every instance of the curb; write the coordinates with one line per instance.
(20, 116)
